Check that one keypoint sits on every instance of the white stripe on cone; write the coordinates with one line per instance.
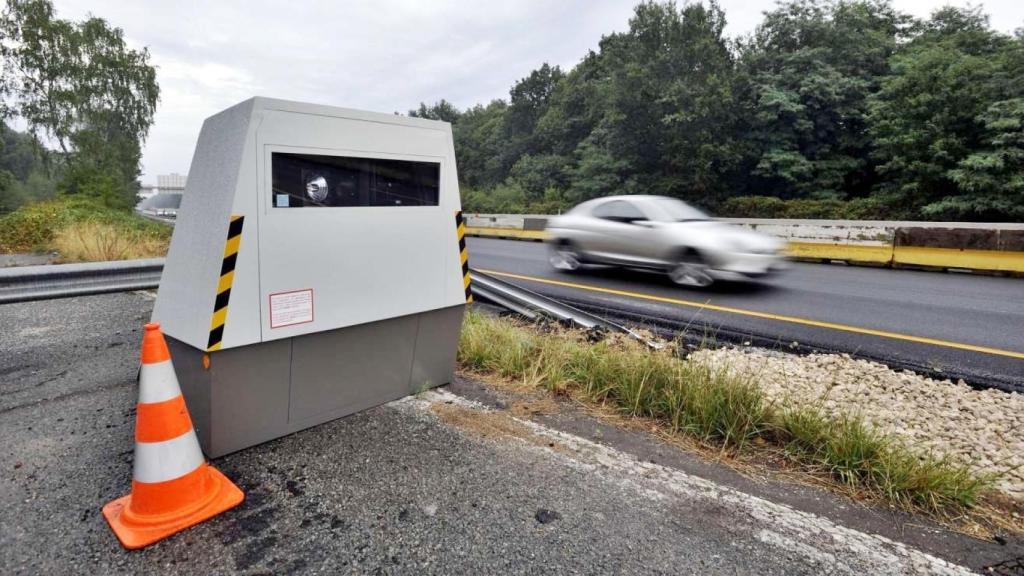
(158, 383)
(167, 460)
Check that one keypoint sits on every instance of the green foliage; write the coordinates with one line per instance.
(20, 153)
(9, 198)
(23, 173)
(15, 193)
(35, 226)
(31, 228)
(812, 67)
(78, 85)
(694, 399)
(535, 174)
(478, 140)
(991, 179)
(927, 117)
(443, 110)
(511, 199)
(504, 198)
(829, 209)
(857, 455)
(718, 409)
(652, 111)
(105, 167)
(528, 101)
(598, 170)
(837, 108)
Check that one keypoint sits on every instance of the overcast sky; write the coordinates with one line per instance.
(380, 55)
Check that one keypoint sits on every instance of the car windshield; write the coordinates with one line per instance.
(678, 211)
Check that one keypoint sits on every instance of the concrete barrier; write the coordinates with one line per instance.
(976, 246)
(868, 242)
(999, 248)
(507, 226)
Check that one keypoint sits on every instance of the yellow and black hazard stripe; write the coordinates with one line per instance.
(227, 276)
(460, 229)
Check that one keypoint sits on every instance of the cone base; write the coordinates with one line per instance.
(139, 531)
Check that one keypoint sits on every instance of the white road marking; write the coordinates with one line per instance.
(819, 541)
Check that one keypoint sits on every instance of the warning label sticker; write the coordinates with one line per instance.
(290, 308)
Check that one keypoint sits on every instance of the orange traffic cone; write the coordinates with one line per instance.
(173, 487)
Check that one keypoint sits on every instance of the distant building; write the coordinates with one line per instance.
(171, 182)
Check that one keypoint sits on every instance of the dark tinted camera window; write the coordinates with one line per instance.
(314, 181)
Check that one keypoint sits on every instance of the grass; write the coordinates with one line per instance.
(92, 241)
(82, 230)
(720, 410)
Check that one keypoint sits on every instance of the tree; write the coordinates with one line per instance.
(832, 108)
(812, 66)
(703, 148)
(10, 199)
(536, 174)
(20, 153)
(991, 180)
(575, 106)
(666, 120)
(442, 110)
(529, 99)
(598, 172)
(23, 175)
(929, 114)
(479, 138)
(80, 87)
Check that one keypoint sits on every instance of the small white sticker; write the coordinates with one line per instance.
(290, 308)
(282, 201)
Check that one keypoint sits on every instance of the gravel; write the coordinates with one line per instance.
(981, 428)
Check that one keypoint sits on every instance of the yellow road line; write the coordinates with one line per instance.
(767, 315)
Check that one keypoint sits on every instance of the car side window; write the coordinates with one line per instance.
(619, 211)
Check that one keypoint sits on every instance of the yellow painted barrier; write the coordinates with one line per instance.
(848, 252)
(994, 260)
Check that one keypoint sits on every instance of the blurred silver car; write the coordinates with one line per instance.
(660, 233)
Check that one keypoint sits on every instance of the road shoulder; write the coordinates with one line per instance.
(911, 530)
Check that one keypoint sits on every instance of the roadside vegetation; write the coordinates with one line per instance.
(829, 109)
(82, 229)
(719, 410)
(83, 101)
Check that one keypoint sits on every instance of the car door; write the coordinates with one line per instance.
(618, 233)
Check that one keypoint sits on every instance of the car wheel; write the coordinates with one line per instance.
(564, 256)
(690, 270)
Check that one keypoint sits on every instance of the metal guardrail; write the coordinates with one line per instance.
(27, 283)
(535, 306)
(161, 219)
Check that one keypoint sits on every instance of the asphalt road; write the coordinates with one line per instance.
(435, 484)
(945, 324)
